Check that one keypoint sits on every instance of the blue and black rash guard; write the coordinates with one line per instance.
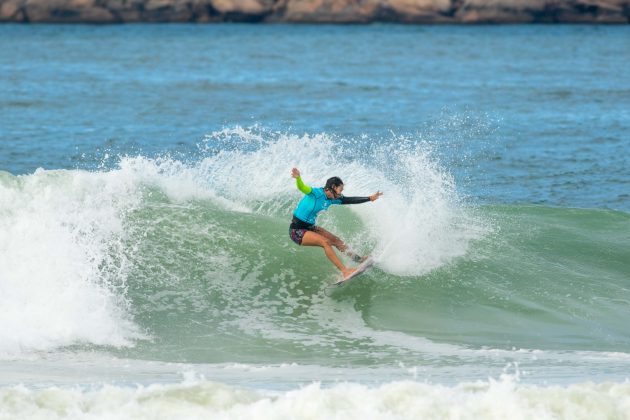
(314, 201)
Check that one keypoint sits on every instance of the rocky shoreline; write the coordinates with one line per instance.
(316, 11)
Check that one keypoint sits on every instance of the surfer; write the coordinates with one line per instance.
(303, 230)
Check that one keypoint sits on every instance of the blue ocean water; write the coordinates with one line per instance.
(145, 194)
(534, 114)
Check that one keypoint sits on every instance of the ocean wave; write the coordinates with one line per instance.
(75, 241)
(174, 256)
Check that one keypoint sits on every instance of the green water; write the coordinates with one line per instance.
(214, 285)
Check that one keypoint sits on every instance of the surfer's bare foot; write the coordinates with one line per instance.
(347, 272)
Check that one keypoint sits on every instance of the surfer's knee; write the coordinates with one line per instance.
(327, 245)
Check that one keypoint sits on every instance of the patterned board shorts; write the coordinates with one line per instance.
(297, 235)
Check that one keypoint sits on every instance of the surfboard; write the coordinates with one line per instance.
(361, 268)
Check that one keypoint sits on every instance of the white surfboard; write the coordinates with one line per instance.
(361, 268)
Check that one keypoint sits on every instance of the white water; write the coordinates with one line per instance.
(199, 399)
(418, 225)
(58, 230)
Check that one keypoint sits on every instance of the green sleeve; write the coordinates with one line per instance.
(302, 186)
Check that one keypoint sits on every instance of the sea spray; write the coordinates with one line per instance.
(420, 224)
(62, 268)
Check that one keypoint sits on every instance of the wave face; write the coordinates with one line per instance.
(189, 260)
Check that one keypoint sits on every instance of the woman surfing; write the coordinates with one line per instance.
(303, 230)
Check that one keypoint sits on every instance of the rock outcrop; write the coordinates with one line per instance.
(341, 11)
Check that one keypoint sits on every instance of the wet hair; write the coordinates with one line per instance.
(335, 181)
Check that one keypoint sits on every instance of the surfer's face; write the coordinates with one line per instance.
(337, 190)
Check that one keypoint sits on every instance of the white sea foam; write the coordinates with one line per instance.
(194, 399)
(179, 181)
(419, 224)
(58, 230)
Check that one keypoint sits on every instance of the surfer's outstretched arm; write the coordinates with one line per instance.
(354, 200)
(295, 173)
(359, 200)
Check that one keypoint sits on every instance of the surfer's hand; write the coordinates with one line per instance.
(295, 173)
(375, 196)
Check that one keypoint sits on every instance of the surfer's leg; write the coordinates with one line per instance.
(338, 243)
(315, 239)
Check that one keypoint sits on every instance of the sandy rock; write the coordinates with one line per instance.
(298, 9)
(515, 11)
(66, 11)
(252, 7)
(419, 7)
(9, 9)
(350, 11)
(152, 5)
(95, 15)
(41, 10)
(166, 11)
(126, 10)
(500, 11)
